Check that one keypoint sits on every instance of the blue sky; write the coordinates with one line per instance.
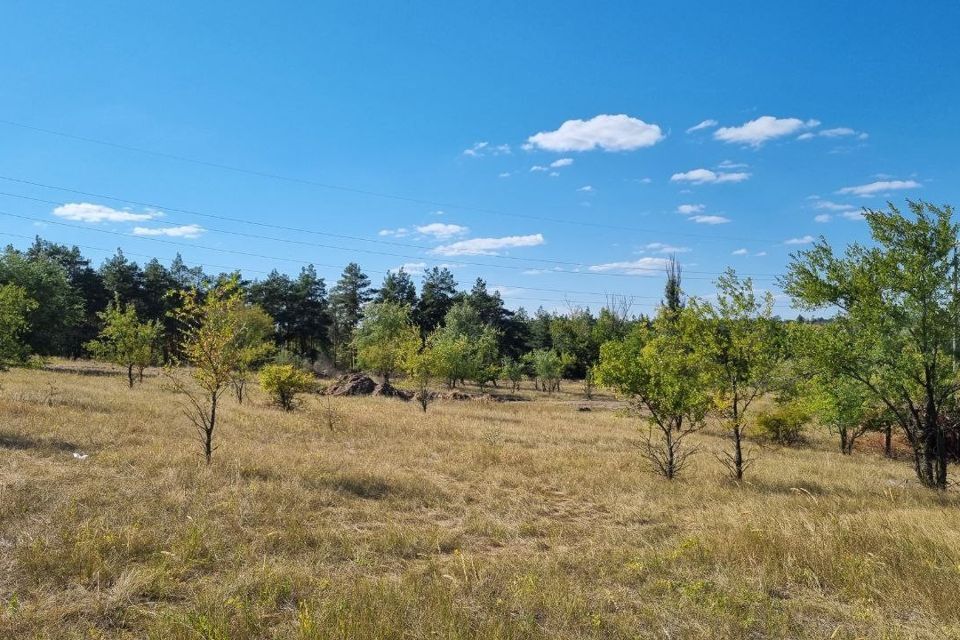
(550, 148)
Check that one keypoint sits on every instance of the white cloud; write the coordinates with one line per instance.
(880, 186)
(730, 164)
(823, 217)
(95, 213)
(706, 124)
(706, 176)
(660, 247)
(826, 205)
(644, 180)
(710, 219)
(853, 215)
(760, 254)
(554, 174)
(442, 231)
(764, 128)
(488, 246)
(687, 209)
(486, 149)
(396, 233)
(802, 240)
(183, 231)
(538, 167)
(640, 267)
(504, 174)
(586, 188)
(836, 132)
(608, 132)
(562, 162)
(739, 252)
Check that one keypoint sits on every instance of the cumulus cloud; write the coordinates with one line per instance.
(538, 167)
(183, 231)
(801, 240)
(639, 267)
(562, 162)
(504, 174)
(607, 132)
(739, 252)
(710, 219)
(765, 128)
(396, 233)
(706, 176)
(880, 186)
(488, 246)
(687, 209)
(95, 213)
(822, 217)
(586, 188)
(412, 268)
(706, 124)
(442, 231)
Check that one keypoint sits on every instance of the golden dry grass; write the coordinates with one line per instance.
(476, 520)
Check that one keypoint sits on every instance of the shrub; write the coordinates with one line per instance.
(283, 382)
(784, 425)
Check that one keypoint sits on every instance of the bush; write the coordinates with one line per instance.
(784, 425)
(283, 382)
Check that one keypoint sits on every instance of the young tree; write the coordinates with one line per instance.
(214, 343)
(895, 332)
(740, 339)
(125, 340)
(384, 336)
(421, 365)
(512, 370)
(15, 307)
(547, 366)
(673, 290)
(661, 372)
(843, 406)
(283, 383)
(255, 346)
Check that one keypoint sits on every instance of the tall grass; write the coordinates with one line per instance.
(475, 520)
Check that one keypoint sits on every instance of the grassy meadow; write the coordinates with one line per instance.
(476, 520)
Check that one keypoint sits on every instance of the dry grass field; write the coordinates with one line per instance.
(476, 520)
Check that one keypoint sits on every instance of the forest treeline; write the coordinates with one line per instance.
(887, 359)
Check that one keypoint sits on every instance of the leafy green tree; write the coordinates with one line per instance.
(256, 345)
(123, 278)
(54, 321)
(673, 289)
(740, 339)
(895, 332)
(512, 370)
(842, 405)
(664, 377)
(215, 344)
(547, 366)
(421, 364)
(385, 335)
(125, 340)
(450, 356)
(15, 308)
(573, 336)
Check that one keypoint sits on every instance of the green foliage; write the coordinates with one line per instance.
(895, 333)
(547, 366)
(283, 383)
(659, 369)
(125, 340)
(15, 307)
(743, 346)
(785, 424)
(512, 370)
(384, 336)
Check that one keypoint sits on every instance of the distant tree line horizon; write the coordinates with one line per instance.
(311, 321)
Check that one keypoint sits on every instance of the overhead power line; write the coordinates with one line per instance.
(366, 192)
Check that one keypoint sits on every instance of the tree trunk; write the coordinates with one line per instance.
(888, 441)
(208, 432)
(130, 375)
